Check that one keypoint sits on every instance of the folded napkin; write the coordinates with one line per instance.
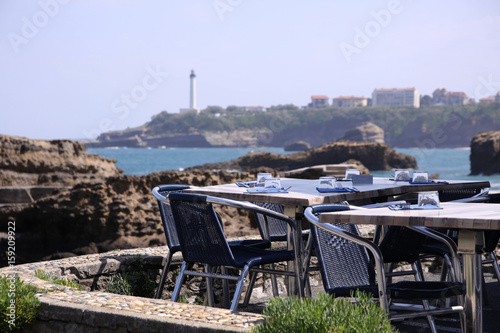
(415, 207)
(246, 184)
(267, 190)
(337, 190)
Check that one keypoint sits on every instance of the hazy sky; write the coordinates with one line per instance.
(74, 69)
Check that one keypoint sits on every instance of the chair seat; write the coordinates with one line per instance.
(417, 290)
(251, 256)
(257, 243)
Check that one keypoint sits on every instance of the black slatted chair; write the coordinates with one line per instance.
(171, 232)
(202, 240)
(169, 229)
(346, 266)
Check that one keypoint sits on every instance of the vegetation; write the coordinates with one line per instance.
(135, 281)
(288, 117)
(55, 280)
(18, 304)
(324, 314)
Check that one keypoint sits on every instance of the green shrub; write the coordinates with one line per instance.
(119, 285)
(135, 281)
(55, 280)
(18, 304)
(324, 314)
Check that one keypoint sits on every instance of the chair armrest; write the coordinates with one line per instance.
(450, 244)
(368, 244)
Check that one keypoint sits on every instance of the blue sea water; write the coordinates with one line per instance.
(450, 164)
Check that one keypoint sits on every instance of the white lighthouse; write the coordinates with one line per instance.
(192, 94)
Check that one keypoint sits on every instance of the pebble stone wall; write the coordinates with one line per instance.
(67, 310)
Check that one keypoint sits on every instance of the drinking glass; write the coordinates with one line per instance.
(273, 183)
(350, 172)
(429, 198)
(261, 178)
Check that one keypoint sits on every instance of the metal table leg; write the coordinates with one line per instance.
(470, 244)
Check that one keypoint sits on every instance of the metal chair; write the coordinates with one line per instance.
(169, 229)
(346, 266)
(202, 240)
(171, 232)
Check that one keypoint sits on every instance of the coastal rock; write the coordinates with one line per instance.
(367, 132)
(27, 162)
(374, 156)
(485, 153)
(117, 213)
(298, 146)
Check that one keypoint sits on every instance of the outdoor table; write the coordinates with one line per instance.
(470, 219)
(303, 193)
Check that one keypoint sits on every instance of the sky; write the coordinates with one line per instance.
(72, 69)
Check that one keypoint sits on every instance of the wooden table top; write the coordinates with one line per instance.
(303, 191)
(477, 216)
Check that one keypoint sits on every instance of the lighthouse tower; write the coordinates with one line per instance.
(192, 94)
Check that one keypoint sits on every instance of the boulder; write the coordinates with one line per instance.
(298, 146)
(374, 156)
(26, 162)
(485, 153)
(367, 132)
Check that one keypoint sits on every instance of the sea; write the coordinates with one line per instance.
(449, 164)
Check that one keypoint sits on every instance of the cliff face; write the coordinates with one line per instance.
(428, 127)
(26, 162)
(485, 153)
(118, 213)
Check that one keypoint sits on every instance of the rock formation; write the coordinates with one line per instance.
(367, 132)
(485, 153)
(117, 213)
(26, 162)
(298, 146)
(375, 156)
(86, 205)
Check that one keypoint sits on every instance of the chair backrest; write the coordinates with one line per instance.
(167, 219)
(457, 194)
(343, 263)
(274, 229)
(401, 244)
(200, 232)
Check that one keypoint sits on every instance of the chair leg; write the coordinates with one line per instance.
(492, 259)
(210, 285)
(164, 273)
(239, 288)
(253, 277)
(225, 287)
(180, 281)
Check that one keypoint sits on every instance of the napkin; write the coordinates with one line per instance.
(267, 190)
(415, 207)
(337, 190)
(246, 184)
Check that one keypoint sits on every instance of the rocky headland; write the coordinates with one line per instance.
(89, 206)
(485, 153)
